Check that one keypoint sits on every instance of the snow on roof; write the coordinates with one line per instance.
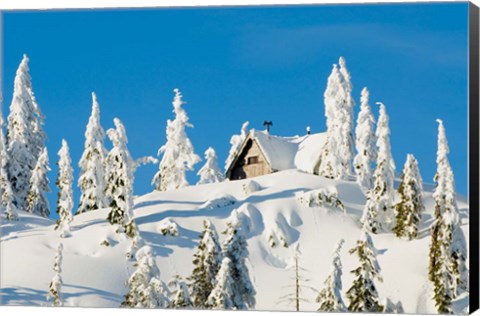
(297, 152)
(309, 151)
(279, 151)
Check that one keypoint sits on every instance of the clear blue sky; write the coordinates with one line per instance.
(238, 64)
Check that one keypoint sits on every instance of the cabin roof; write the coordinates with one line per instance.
(282, 153)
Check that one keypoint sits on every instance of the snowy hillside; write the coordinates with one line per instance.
(94, 274)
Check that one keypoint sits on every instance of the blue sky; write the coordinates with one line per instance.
(239, 64)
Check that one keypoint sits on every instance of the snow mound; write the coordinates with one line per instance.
(281, 233)
(250, 219)
(250, 187)
(218, 202)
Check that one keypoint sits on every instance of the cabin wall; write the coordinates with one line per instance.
(251, 163)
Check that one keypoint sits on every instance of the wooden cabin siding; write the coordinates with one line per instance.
(250, 163)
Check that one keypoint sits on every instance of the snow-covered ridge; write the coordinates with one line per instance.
(94, 274)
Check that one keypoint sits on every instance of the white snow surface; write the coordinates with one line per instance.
(94, 274)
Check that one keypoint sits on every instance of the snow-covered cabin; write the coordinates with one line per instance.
(262, 153)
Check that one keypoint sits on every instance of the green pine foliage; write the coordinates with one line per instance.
(409, 209)
(362, 295)
(206, 263)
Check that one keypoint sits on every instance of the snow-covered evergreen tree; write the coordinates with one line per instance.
(330, 297)
(65, 190)
(180, 297)
(410, 208)
(379, 211)
(346, 121)
(178, 153)
(210, 172)
(337, 155)
(235, 248)
(236, 141)
(207, 260)
(25, 136)
(6, 193)
(447, 269)
(92, 164)
(55, 291)
(37, 202)
(120, 179)
(145, 289)
(223, 294)
(365, 143)
(362, 295)
(4, 182)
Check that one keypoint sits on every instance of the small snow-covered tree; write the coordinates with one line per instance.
(365, 143)
(447, 268)
(207, 260)
(337, 155)
(25, 136)
(180, 297)
(178, 152)
(210, 172)
(236, 141)
(362, 295)
(145, 289)
(120, 181)
(379, 211)
(65, 191)
(330, 297)
(39, 186)
(223, 294)
(55, 291)
(235, 248)
(92, 164)
(410, 208)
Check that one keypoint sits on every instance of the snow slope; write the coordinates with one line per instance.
(94, 274)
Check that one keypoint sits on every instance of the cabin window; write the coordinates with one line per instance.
(252, 160)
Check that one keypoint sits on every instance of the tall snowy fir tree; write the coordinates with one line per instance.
(223, 294)
(410, 208)
(345, 120)
(337, 155)
(25, 134)
(178, 153)
(180, 296)
(92, 164)
(379, 212)
(210, 172)
(447, 269)
(236, 141)
(330, 296)
(235, 248)
(362, 295)
(37, 202)
(55, 291)
(365, 143)
(145, 289)
(6, 193)
(207, 260)
(65, 190)
(120, 179)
